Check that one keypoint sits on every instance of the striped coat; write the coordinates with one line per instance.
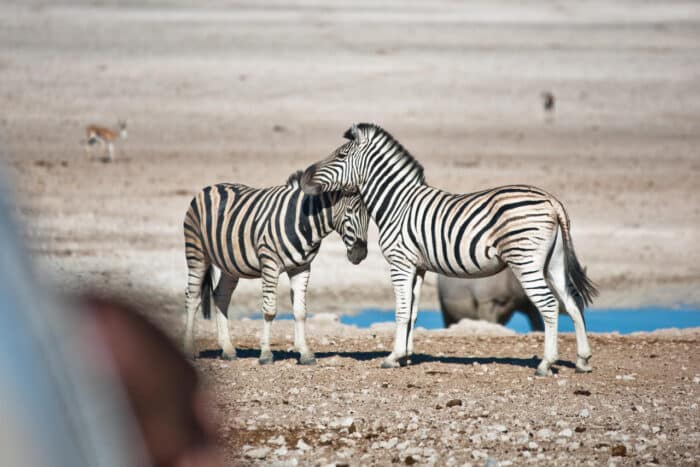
(260, 233)
(422, 228)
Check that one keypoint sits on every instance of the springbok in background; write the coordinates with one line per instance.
(105, 137)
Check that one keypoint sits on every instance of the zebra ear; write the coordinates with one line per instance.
(354, 134)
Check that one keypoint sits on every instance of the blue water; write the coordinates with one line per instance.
(624, 321)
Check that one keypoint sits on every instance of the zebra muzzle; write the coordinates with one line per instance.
(358, 252)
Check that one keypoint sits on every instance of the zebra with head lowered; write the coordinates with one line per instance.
(422, 228)
(249, 233)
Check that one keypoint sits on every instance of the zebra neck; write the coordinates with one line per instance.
(394, 178)
(321, 216)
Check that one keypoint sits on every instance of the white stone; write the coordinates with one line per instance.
(585, 413)
(521, 437)
(259, 453)
(281, 451)
(339, 423)
(280, 441)
(389, 444)
(302, 446)
(544, 433)
(324, 318)
(567, 433)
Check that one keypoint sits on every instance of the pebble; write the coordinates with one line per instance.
(339, 423)
(453, 403)
(302, 446)
(259, 453)
(280, 441)
(281, 451)
(544, 433)
(567, 433)
(585, 413)
(390, 444)
(618, 451)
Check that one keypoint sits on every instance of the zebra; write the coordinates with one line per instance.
(260, 233)
(422, 228)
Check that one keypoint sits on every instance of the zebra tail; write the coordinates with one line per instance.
(207, 286)
(580, 286)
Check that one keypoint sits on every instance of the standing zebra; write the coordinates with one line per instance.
(422, 228)
(249, 233)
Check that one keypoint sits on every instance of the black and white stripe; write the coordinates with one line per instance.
(249, 233)
(422, 228)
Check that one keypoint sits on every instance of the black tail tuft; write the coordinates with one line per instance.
(207, 286)
(580, 285)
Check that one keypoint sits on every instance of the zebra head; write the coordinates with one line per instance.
(351, 220)
(342, 170)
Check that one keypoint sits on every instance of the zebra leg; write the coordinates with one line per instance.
(270, 275)
(222, 298)
(193, 302)
(539, 293)
(557, 278)
(418, 284)
(298, 282)
(403, 280)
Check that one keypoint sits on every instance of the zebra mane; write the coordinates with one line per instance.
(294, 180)
(372, 130)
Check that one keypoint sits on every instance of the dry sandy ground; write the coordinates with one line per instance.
(466, 398)
(233, 92)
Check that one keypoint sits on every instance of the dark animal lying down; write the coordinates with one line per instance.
(493, 299)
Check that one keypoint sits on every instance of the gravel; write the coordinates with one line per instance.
(448, 411)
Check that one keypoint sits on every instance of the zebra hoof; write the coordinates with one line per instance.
(390, 364)
(582, 365)
(229, 357)
(543, 370)
(308, 359)
(265, 358)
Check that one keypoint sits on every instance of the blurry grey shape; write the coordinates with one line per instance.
(56, 408)
(493, 299)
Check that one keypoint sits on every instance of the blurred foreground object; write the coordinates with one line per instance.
(55, 410)
(162, 387)
(62, 402)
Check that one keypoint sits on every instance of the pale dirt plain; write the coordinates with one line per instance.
(232, 91)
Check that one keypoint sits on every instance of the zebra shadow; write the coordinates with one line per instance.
(280, 355)
(416, 359)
